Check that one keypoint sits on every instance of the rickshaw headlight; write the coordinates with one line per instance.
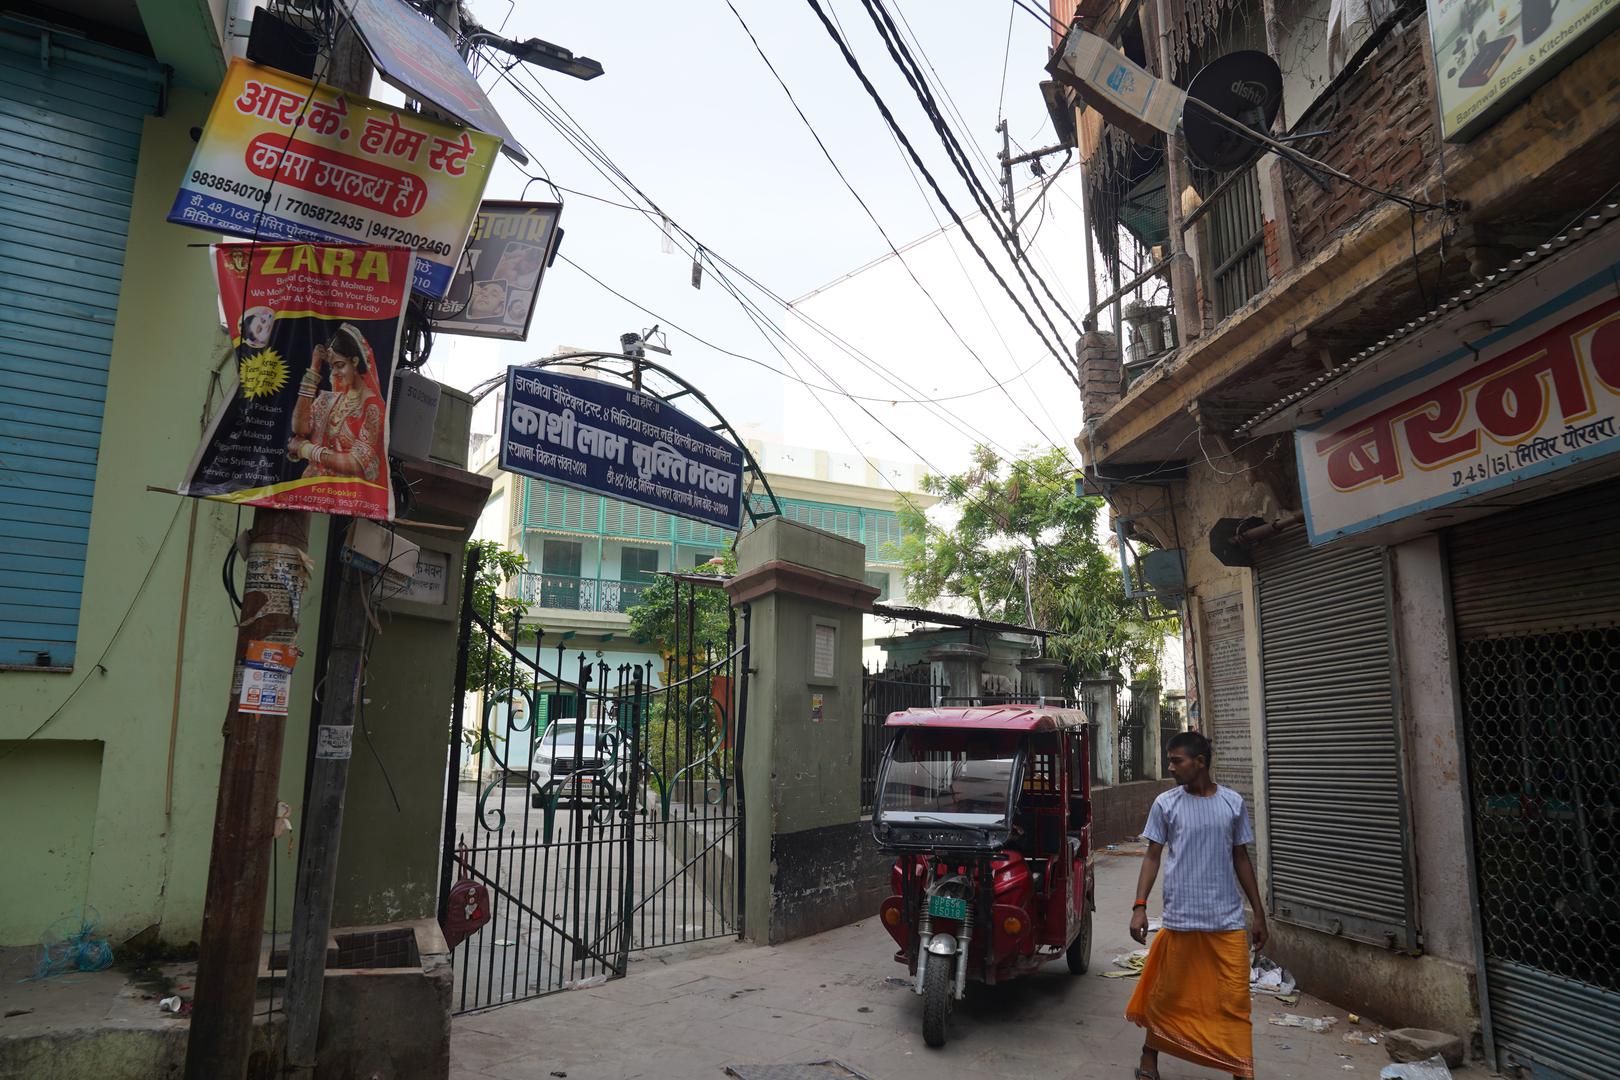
(1013, 925)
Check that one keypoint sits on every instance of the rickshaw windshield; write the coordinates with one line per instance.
(960, 777)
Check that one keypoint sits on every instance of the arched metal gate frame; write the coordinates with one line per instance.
(616, 826)
(634, 370)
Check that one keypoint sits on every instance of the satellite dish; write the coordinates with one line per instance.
(1247, 86)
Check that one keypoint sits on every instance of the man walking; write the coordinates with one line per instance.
(1193, 995)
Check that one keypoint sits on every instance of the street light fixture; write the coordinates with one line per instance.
(541, 53)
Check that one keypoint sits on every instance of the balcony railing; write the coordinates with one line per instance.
(580, 593)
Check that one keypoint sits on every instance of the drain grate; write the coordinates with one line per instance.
(815, 1070)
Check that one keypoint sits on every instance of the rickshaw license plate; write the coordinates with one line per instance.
(947, 907)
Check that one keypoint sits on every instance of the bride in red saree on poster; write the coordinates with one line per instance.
(316, 328)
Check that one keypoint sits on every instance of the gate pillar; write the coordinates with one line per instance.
(807, 854)
(1042, 677)
(959, 667)
(1152, 749)
(1099, 694)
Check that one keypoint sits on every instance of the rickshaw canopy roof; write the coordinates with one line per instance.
(992, 718)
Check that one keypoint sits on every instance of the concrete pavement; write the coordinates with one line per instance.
(837, 996)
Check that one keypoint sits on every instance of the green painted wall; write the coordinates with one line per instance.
(146, 867)
(388, 858)
(799, 773)
(48, 804)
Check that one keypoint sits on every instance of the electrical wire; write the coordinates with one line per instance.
(914, 76)
(879, 225)
(665, 321)
(894, 125)
(1006, 59)
(581, 141)
(598, 159)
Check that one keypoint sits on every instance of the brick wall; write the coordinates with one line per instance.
(1100, 374)
(1383, 132)
(1119, 812)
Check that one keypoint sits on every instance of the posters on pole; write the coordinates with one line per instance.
(412, 54)
(283, 159)
(494, 292)
(1488, 54)
(305, 425)
(609, 439)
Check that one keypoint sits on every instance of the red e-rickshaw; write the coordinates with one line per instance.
(989, 812)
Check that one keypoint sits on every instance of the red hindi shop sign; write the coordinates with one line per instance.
(316, 328)
(1464, 427)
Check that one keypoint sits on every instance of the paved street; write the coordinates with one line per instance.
(831, 996)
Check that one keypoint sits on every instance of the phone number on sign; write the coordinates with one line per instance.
(326, 215)
(229, 186)
(409, 239)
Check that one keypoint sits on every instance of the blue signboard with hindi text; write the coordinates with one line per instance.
(609, 439)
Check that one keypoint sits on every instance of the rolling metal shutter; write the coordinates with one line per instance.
(1340, 856)
(1536, 605)
(70, 129)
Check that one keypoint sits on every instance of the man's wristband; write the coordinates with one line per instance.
(1139, 904)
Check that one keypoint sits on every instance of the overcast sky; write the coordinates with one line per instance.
(689, 111)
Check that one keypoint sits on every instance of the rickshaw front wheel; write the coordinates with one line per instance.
(1079, 951)
(937, 982)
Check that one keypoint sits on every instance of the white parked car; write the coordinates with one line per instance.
(570, 752)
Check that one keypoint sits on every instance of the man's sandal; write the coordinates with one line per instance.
(1143, 1074)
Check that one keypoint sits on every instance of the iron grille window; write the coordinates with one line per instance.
(1235, 230)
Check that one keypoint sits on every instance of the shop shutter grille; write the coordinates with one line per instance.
(71, 117)
(1340, 857)
(1536, 605)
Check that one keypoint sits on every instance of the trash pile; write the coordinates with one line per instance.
(1317, 1024)
(73, 944)
(1266, 976)
(1127, 965)
(1434, 1068)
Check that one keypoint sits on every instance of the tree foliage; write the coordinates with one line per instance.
(685, 728)
(487, 669)
(655, 618)
(1027, 509)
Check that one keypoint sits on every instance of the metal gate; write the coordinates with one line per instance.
(1340, 846)
(1536, 604)
(882, 693)
(612, 829)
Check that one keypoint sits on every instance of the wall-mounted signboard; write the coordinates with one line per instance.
(282, 159)
(493, 294)
(1488, 54)
(609, 439)
(1466, 426)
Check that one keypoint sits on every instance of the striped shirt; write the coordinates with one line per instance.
(1198, 833)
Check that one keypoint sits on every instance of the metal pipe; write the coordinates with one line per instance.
(1268, 529)
(1120, 290)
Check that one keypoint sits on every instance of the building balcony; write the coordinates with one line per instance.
(569, 593)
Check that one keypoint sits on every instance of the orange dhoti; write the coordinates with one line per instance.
(1193, 999)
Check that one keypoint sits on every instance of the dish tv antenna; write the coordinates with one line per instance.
(1243, 86)
(1226, 112)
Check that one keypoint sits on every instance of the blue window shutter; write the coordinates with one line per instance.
(70, 132)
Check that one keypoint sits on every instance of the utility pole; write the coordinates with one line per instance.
(245, 813)
(1007, 185)
(278, 574)
(322, 828)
